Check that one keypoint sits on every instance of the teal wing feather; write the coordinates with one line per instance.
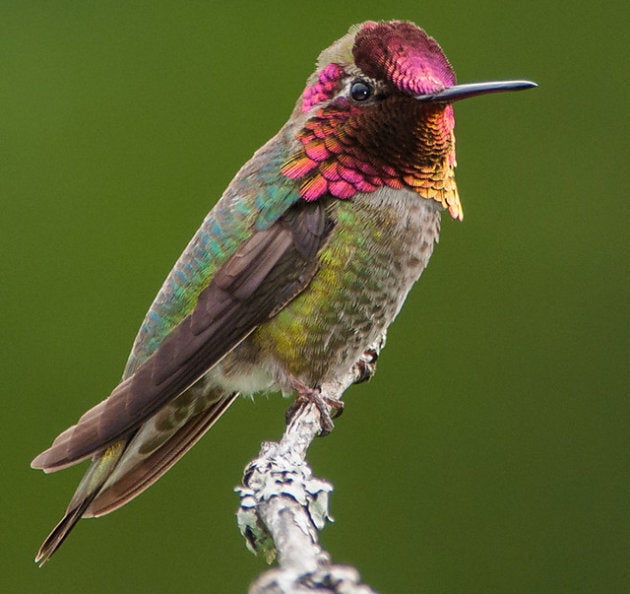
(254, 201)
(264, 272)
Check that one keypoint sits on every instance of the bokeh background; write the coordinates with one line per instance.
(491, 451)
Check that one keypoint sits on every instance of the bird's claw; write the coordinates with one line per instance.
(324, 404)
(365, 367)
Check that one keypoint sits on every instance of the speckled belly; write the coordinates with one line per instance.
(378, 248)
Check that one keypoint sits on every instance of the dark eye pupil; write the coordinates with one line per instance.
(360, 90)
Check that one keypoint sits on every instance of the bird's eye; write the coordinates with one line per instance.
(361, 90)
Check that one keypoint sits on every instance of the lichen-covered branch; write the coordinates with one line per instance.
(283, 506)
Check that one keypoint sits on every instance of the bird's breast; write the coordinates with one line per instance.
(380, 244)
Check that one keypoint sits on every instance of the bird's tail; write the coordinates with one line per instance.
(128, 467)
(86, 492)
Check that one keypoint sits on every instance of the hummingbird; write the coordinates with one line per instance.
(305, 260)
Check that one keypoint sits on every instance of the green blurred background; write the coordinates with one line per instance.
(489, 453)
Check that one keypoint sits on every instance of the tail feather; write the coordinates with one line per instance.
(141, 476)
(128, 467)
(88, 489)
(61, 531)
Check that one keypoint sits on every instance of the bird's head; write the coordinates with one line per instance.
(378, 112)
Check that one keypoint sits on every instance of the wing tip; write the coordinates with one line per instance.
(45, 462)
(48, 462)
(38, 463)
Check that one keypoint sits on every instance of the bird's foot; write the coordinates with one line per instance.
(307, 395)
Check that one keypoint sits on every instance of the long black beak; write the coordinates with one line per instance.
(472, 90)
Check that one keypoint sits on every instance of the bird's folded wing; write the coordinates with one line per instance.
(270, 269)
